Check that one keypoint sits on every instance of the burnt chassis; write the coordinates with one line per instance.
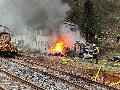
(8, 54)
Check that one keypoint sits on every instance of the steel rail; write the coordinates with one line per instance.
(71, 75)
(20, 80)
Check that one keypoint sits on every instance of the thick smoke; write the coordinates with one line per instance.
(25, 17)
(70, 37)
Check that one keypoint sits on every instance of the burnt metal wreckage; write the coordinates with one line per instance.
(7, 49)
(81, 50)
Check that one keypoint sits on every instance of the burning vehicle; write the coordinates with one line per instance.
(69, 43)
(6, 48)
(57, 49)
(83, 51)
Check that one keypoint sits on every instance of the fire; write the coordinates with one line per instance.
(58, 47)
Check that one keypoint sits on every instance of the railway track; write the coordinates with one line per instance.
(9, 81)
(77, 81)
(56, 81)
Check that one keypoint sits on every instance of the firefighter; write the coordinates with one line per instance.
(118, 38)
(95, 53)
(82, 49)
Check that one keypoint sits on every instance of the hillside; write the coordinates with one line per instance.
(104, 20)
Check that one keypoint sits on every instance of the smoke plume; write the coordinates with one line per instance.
(70, 37)
(25, 17)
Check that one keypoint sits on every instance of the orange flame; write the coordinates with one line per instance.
(59, 46)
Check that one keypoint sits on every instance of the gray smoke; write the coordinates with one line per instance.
(24, 17)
